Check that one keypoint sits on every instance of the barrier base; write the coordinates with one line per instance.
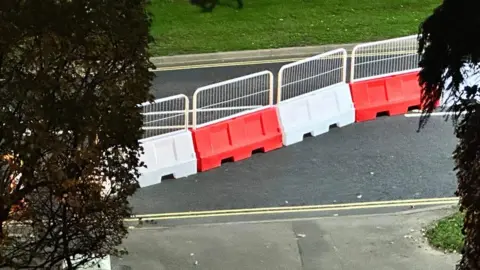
(390, 110)
(236, 138)
(318, 128)
(178, 171)
(242, 153)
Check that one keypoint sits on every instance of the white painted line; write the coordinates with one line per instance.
(432, 114)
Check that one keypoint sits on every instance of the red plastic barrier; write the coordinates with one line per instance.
(392, 94)
(236, 138)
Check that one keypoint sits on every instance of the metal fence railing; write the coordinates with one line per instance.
(310, 74)
(165, 115)
(232, 97)
(236, 96)
(386, 57)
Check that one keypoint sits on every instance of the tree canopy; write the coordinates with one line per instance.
(447, 46)
(71, 76)
(448, 49)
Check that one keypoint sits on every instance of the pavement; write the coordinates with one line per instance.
(381, 241)
(243, 56)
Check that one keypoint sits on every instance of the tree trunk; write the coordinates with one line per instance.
(66, 242)
(1, 230)
(3, 219)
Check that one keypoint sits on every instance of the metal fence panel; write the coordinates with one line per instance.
(386, 57)
(229, 98)
(165, 115)
(310, 74)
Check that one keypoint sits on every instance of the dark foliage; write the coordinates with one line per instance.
(71, 76)
(447, 43)
(448, 47)
(209, 5)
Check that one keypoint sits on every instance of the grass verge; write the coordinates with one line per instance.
(181, 28)
(446, 234)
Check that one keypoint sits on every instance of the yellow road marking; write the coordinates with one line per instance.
(270, 61)
(295, 209)
(229, 64)
(249, 221)
(288, 209)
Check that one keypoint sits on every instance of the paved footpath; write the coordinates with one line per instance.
(383, 241)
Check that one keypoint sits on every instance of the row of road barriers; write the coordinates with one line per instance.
(231, 119)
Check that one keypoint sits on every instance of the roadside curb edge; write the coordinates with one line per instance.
(448, 208)
(247, 55)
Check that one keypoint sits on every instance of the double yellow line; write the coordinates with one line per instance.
(271, 61)
(295, 209)
(287, 209)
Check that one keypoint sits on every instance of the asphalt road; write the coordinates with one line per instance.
(385, 159)
(151, 222)
(168, 83)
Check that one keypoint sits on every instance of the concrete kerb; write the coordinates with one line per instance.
(248, 55)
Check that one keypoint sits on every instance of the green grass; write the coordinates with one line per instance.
(446, 234)
(180, 28)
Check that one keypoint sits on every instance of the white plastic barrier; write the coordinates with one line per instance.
(472, 78)
(96, 264)
(313, 95)
(167, 154)
(167, 143)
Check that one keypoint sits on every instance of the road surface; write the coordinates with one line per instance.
(385, 159)
(168, 83)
